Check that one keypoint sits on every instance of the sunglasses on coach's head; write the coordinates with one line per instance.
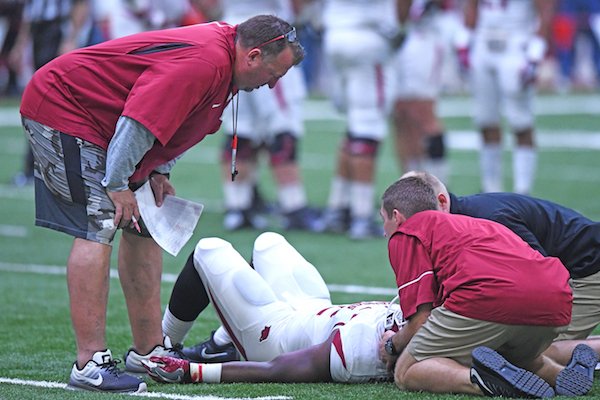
(290, 37)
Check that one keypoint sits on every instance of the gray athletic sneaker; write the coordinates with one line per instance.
(101, 374)
(133, 360)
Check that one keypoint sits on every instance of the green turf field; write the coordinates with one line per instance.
(35, 332)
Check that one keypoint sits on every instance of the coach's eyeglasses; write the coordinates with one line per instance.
(290, 37)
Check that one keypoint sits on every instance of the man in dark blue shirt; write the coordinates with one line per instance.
(553, 230)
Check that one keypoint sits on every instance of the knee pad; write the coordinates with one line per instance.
(436, 148)
(283, 149)
(361, 146)
(220, 265)
(252, 288)
(245, 151)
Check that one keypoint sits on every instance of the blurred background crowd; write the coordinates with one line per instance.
(571, 63)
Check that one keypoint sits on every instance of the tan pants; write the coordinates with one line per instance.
(586, 307)
(450, 335)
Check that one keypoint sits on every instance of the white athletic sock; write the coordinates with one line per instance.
(524, 168)
(207, 373)
(221, 337)
(175, 328)
(490, 160)
(361, 199)
(237, 195)
(291, 197)
(339, 193)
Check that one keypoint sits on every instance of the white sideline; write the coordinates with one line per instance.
(167, 277)
(13, 231)
(153, 395)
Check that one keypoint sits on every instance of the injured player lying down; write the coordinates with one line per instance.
(280, 318)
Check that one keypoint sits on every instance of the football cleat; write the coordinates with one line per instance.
(208, 352)
(101, 374)
(133, 360)
(239, 219)
(336, 220)
(168, 369)
(305, 218)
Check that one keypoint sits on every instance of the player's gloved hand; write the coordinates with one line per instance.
(534, 53)
(165, 369)
(461, 42)
(395, 35)
(529, 74)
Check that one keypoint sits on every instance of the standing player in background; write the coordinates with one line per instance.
(126, 17)
(358, 48)
(418, 69)
(267, 119)
(509, 41)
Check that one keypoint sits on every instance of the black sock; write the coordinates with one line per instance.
(188, 298)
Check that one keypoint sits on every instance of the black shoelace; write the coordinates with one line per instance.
(111, 367)
(177, 351)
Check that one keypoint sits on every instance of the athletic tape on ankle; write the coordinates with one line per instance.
(207, 373)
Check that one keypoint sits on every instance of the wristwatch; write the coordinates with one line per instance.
(389, 347)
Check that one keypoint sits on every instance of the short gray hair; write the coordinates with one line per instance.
(260, 29)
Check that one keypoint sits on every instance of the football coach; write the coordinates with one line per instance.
(103, 120)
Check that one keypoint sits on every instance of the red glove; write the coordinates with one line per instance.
(168, 369)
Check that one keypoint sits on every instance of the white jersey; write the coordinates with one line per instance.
(283, 305)
(264, 113)
(353, 14)
(354, 352)
(237, 11)
(357, 47)
(498, 58)
(418, 62)
(130, 17)
(506, 17)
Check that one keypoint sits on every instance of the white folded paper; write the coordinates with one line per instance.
(172, 224)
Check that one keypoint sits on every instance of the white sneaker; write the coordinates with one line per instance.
(133, 360)
(101, 374)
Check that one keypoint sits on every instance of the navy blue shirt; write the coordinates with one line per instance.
(548, 227)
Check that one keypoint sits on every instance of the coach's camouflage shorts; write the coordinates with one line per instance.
(68, 194)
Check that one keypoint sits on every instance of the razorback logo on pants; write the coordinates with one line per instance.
(264, 334)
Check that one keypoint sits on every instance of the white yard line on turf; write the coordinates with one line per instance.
(58, 270)
(152, 395)
(13, 231)
(448, 106)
